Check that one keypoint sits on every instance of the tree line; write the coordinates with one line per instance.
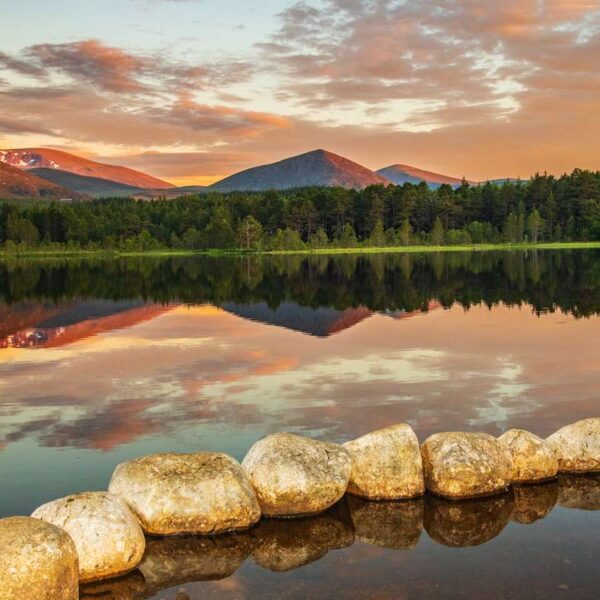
(545, 208)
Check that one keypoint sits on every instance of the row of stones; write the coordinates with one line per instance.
(283, 475)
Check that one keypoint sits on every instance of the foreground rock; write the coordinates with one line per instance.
(175, 561)
(287, 545)
(579, 491)
(577, 446)
(465, 465)
(534, 502)
(294, 475)
(533, 460)
(203, 493)
(386, 464)
(468, 523)
(108, 537)
(38, 561)
(395, 525)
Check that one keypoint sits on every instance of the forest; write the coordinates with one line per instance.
(543, 209)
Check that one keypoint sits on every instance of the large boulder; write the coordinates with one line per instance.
(294, 475)
(533, 460)
(579, 491)
(534, 502)
(464, 465)
(386, 464)
(38, 561)
(203, 493)
(396, 525)
(577, 446)
(108, 537)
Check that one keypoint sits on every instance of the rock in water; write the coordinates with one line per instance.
(386, 464)
(465, 465)
(533, 460)
(108, 537)
(577, 446)
(203, 493)
(534, 502)
(294, 475)
(38, 561)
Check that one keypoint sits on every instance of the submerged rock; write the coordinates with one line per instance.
(294, 475)
(463, 465)
(534, 502)
(533, 460)
(283, 545)
(174, 561)
(203, 493)
(467, 523)
(386, 464)
(577, 446)
(108, 537)
(394, 525)
(38, 561)
(579, 491)
(129, 587)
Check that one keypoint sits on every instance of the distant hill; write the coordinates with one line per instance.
(36, 158)
(316, 168)
(15, 183)
(401, 174)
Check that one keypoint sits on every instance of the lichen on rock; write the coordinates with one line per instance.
(533, 459)
(577, 446)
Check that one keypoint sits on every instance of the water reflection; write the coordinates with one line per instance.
(579, 491)
(534, 502)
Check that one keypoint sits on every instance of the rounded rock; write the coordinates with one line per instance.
(577, 446)
(107, 535)
(172, 494)
(386, 464)
(533, 460)
(461, 465)
(295, 476)
(38, 561)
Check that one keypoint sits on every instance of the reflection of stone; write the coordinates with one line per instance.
(208, 493)
(577, 446)
(467, 523)
(177, 560)
(38, 561)
(108, 537)
(579, 491)
(294, 475)
(283, 545)
(387, 524)
(533, 459)
(129, 587)
(533, 502)
(462, 465)
(386, 464)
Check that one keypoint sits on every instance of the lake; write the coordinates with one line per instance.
(103, 360)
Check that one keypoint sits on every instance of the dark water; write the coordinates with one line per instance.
(101, 361)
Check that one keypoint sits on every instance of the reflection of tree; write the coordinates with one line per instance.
(547, 280)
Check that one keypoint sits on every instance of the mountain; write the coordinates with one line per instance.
(15, 183)
(400, 174)
(36, 158)
(316, 168)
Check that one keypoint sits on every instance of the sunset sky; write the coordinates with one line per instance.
(194, 90)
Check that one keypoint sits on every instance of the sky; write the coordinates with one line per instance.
(194, 90)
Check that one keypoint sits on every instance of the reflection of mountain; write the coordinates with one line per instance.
(46, 327)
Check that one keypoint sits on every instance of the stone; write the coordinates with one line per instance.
(284, 545)
(128, 587)
(174, 494)
(394, 524)
(464, 465)
(534, 502)
(107, 535)
(175, 561)
(294, 475)
(579, 491)
(577, 446)
(38, 561)
(386, 464)
(533, 460)
(467, 523)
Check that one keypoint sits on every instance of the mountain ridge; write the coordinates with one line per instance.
(16, 183)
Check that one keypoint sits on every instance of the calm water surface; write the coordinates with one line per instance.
(105, 360)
